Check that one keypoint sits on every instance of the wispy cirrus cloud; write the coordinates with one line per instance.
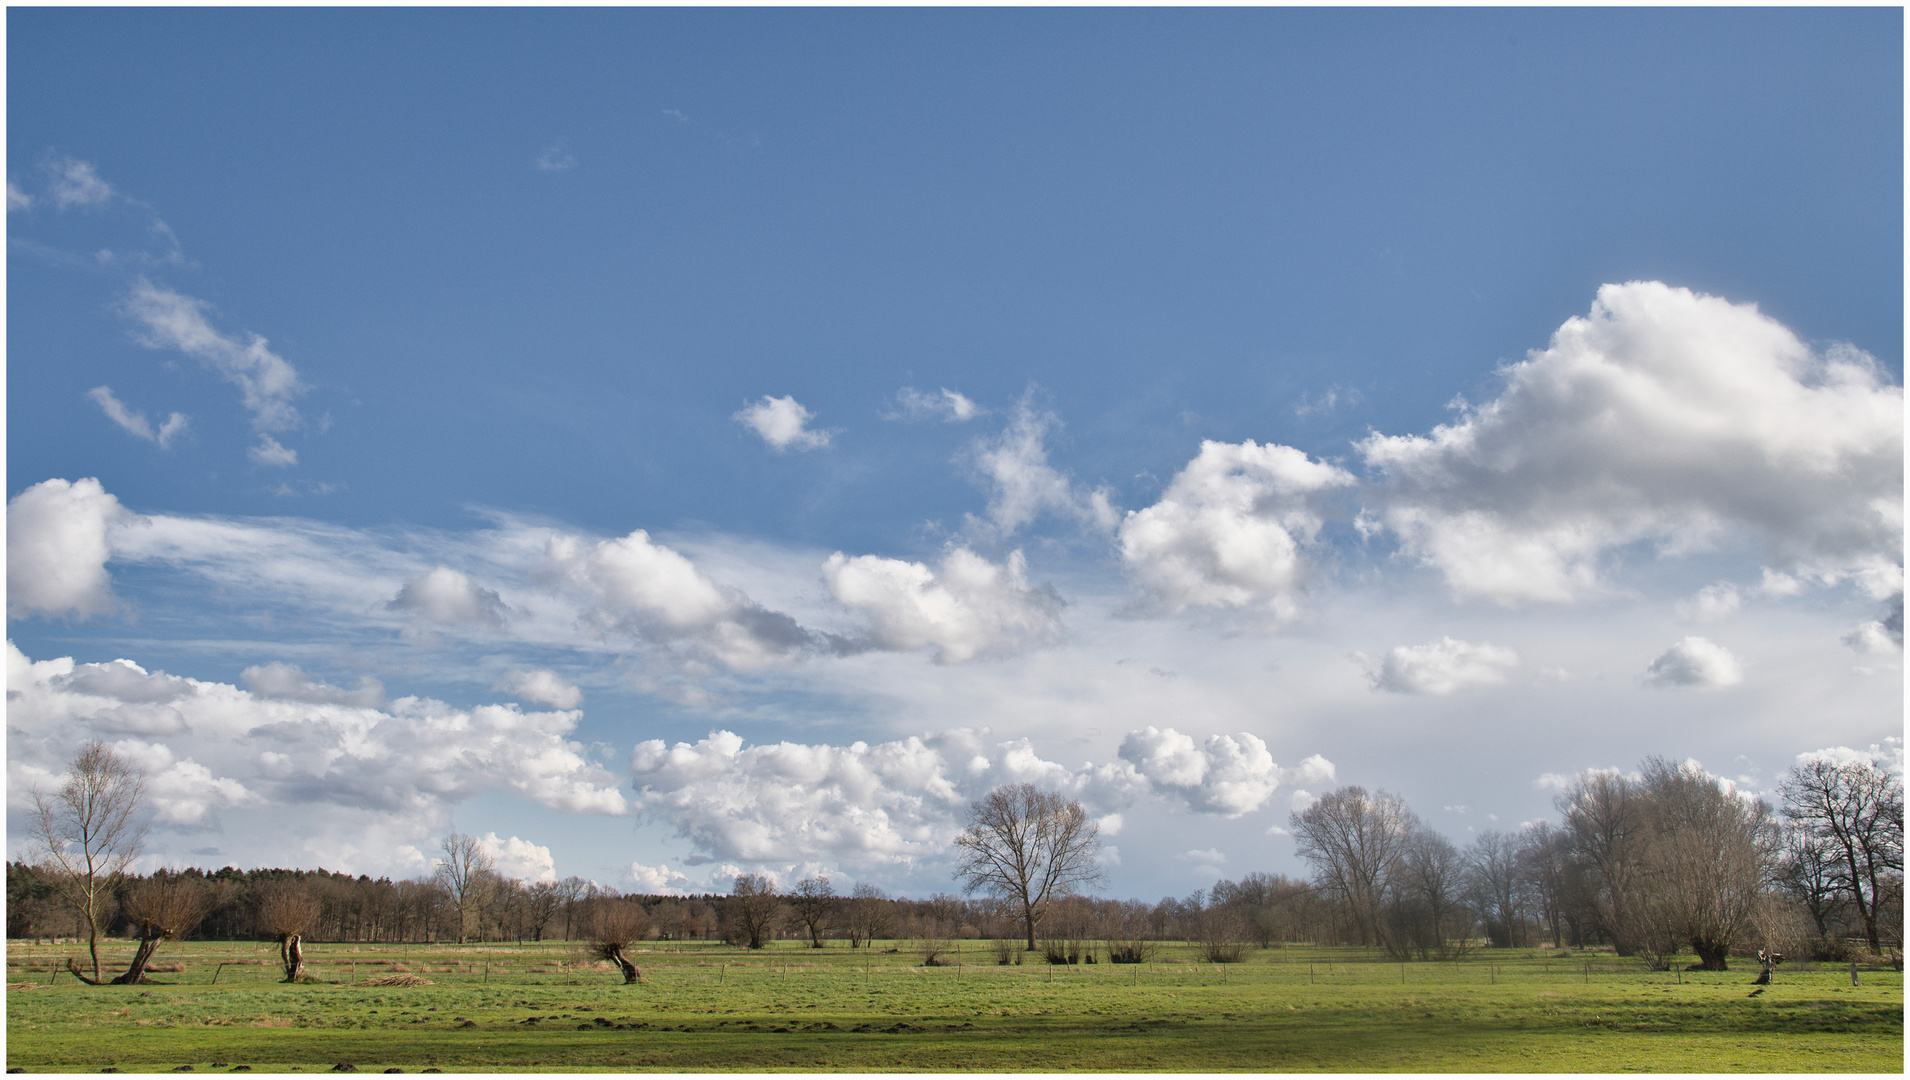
(71, 182)
(267, 382)
(134, 422)
(948, 406)
(1023, 486)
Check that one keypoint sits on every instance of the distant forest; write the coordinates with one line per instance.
(1655, 863)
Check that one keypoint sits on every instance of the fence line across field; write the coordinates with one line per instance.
(257, 964)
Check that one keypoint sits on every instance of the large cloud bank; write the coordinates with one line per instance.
(903, 802)
(364, 778)
(1662, 416)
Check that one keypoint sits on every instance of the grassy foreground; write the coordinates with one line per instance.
(712, 1008)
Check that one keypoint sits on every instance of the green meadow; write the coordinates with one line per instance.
(712, 1008)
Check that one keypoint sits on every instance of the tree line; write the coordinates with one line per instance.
(1649, 864)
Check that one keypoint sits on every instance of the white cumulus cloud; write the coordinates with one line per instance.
(1229, 775)
(355, 771)
(519, 859)
(1442, 667)
(903, 802)
(632, 585)
(286, 682)
(783, 423)
(658, 880)
(1663, 416)
(543, 687)
(449, 596)
(1694, 661)
(969, 607)
(1232, 528)
(1711, 603)
(886, 803)
(58, 546)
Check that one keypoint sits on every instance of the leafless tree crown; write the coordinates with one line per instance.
(89, 833)
(1031, 847)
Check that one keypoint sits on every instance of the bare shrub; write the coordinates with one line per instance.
(613, 926)
(286, 912)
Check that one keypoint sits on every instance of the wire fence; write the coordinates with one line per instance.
(258, 964)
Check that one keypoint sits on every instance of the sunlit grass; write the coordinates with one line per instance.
(713, 1008)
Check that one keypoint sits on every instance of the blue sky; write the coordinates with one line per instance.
(453, 303)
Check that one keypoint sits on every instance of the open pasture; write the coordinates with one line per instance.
(544, 1007)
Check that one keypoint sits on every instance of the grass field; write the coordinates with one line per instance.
(710, 1008)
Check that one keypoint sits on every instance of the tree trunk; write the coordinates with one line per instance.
(292, 957)
(92, 942)
(1711, 954)
(136, 971)
(73, 966)
(630, 972)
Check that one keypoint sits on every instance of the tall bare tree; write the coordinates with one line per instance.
(542, 901)
(89, 832)
(814, 903)
(465, 872)
(1854, 812)
(753, 904)
(1494, 878)
(868, 915)
(1710, 854)
(1607, 833)
(1031, 847)
(1355, 841)
(570, 890)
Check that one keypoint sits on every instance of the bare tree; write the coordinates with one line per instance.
(465, 872)
(868, 916)
(89, 833)
(1494, 878)
(287, 912)
(613, 925)
(1355, 841)
(1607, 833)
(1807, 872)
(753, 904)
(1710, 853)
(569, 891)
(1854, 813)
(1031, 847)
(541, 903)
(814, 904)
(1426, 913)
(1542, 873)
